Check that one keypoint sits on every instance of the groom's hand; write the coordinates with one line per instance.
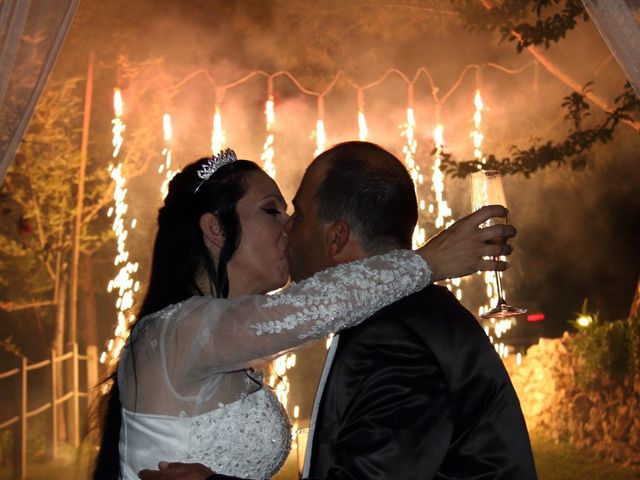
(177, 471)
(460, 249)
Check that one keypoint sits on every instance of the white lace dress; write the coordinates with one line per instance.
(186, 387)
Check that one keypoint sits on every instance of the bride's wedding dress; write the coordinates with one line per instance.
(187, 390)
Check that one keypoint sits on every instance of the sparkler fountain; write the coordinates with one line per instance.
(165, 166)
(218, 139)
(267, 149)
(409, 152)
(441, 210)
(319, 133)
(124, 280)
(363, 131)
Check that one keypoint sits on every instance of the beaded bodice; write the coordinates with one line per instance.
(247, 438)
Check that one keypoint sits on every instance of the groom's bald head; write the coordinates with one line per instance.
(371, 190)
(355, 200)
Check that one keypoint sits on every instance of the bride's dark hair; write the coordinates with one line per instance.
(180, 257)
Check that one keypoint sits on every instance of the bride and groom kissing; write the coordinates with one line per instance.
(411, 387)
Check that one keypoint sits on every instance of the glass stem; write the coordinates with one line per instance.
(499, 285)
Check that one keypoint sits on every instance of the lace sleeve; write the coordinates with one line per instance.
(214, 335)
(343, 296)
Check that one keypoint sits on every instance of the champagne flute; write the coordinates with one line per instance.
(486, 189)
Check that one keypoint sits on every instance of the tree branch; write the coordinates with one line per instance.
(572, 149)
(561, 75)
(12, 307)
(567, 80)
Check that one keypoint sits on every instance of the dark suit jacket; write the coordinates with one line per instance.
(418, 392)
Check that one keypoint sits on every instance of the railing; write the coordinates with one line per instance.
(19, 422)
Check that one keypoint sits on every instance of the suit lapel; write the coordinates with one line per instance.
(316, 403)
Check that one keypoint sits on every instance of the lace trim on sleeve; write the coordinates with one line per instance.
(345, 295)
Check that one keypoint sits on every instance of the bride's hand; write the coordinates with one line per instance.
(459, 250)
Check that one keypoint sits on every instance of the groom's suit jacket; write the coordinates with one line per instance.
(418, 392)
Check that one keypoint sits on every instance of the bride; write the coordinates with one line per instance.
(185, 389)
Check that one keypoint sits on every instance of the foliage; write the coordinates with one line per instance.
(607, 349)
(634, 338)
(572, 150)
(39, 194)
(9, 346)
(528, 23)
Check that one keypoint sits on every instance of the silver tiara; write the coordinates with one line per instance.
(225, 157)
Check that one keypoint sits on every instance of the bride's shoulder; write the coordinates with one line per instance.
(168, 313)
(174, 309)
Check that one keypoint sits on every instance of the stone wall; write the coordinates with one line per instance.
(599, 416)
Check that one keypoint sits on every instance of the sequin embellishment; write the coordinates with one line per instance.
(249, 438)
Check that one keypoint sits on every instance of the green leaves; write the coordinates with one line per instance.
(39, 194)
(571, 151)
(606, 350)
(523, 21)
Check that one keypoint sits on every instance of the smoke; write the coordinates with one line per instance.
(578, 231)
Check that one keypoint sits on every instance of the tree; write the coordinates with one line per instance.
(544, 22)
(532, 24)
(572, 150)
(38, 201)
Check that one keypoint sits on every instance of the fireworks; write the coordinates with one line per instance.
(319, 132)
(476, 134)
(124, 281)
(165, 165)
(443, 214)
(321, 138)
(217, 135)
(409, 152)
(267, 149)
(118, 125)
(278, 378)
(363, 131)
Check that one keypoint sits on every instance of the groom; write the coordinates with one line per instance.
(417, 391)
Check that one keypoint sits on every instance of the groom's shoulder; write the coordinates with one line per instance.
(434, 309)
(431, 300)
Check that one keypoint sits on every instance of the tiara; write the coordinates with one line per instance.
(212, 164)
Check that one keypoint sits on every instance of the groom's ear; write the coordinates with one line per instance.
(336, 238)
(212, 230)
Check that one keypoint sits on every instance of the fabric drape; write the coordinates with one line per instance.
(619, 24)
(31, 35)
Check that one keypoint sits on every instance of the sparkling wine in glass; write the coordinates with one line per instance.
(486, 189)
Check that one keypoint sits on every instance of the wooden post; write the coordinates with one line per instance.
(92, 371)
(75, 259)
(92, 382)
(15, 464)
(75, 439)
(23, 420)
(54, 407)
(58, 346)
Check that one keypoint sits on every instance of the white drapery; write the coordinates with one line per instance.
(31, 35)
(619, 24)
